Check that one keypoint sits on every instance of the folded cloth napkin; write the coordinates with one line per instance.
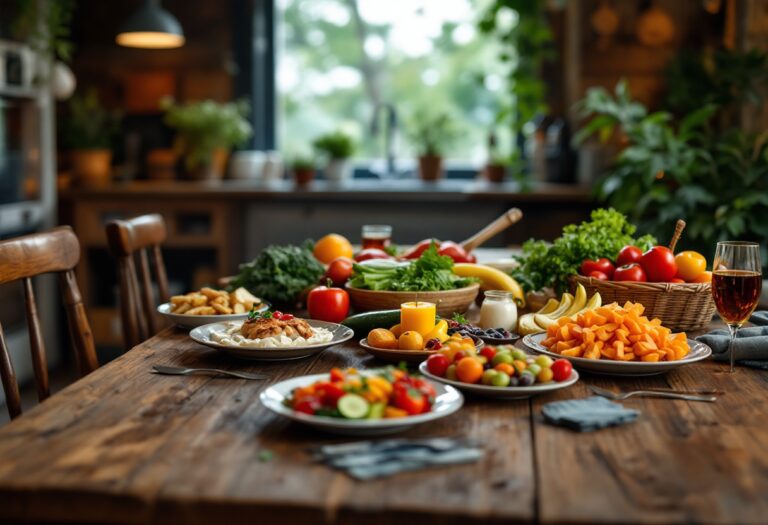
(750, 346)
(374, 459)
(586, 415)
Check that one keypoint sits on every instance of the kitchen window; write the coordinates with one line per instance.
(337, 61)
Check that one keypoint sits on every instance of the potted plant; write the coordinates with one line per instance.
(87, 132)
(496, 166)
(303, 169)
(206, 131)
(431, 134)
(336, 147)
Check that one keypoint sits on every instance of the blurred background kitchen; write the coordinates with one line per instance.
(252, 122)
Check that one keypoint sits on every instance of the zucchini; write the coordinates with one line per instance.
(352, 406)
(363, 323)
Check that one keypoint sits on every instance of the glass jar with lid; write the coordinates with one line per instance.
(498, 310)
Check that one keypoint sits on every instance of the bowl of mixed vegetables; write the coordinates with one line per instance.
(380, 284)
(366, 402)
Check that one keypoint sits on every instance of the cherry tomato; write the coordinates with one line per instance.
(690, 265)
(659, 264)
(339, 271)
(600, 265)
(488, 352)
(628, 255)
(437, 364)
(308, 405)
(328, 304)
(372, 253)
(561, 369)
(426, 388)
(677, 280)
(705, 277)
(630, 272)
(598, 275)
(329, 394)
(337, 374)
(408, 398)
(277, 314)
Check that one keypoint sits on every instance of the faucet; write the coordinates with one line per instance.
(389, 137)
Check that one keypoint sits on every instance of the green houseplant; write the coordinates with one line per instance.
(432, 133)
(336, 148)
(302, 167)
(670, 168)
(206, 131)
(87, 132)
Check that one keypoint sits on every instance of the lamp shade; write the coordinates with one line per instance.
(151, 27)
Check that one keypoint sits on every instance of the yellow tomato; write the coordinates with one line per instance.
(690, 265)
(382, 338)
(331, 247)
(411, 340)
(704, 277)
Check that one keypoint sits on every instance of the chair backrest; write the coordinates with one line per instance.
(133, 242)
(56, 251)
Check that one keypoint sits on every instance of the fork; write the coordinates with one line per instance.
(178, 371)
(650, 393)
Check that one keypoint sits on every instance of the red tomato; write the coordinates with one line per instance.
(598, 275)
(437, 364)
(330, 393)
(677, 280)
(408, 398)
(337, 374)
(628, 255)
(426, 388)
(489, 352)
(328, 304)
(339, 271)
(372, 253)
(308, 405)
(659, 264)
(630, 272)
(455, 252)
(561, 369)
(600, 265)
(418, 249)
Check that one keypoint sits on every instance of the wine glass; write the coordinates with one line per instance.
(736, 284)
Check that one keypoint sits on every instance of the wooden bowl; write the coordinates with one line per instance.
(447, 301)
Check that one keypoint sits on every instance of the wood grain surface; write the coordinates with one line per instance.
(125, 446)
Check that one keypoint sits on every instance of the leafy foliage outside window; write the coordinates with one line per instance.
(715, 179)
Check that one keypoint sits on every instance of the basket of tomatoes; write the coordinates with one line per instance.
(676, 288)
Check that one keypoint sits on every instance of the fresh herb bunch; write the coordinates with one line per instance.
(545, 265)
(429, 273)
(280, 273)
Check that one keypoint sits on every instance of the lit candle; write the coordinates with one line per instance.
(417, 316)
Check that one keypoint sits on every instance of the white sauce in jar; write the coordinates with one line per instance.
(498, 311)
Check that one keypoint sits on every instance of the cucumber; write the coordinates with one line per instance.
(352, 406)
(363, 323)
(376, 411)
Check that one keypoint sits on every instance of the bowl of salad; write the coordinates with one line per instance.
(352, 402)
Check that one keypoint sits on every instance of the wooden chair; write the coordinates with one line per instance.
(132, 240)
(56, 251)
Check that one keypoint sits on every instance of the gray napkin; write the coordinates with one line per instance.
(586, 415)
(750, 347)
(374, 459)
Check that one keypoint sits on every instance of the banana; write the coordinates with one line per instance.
(550, 307)
(579, 301)
(565, 303)
(596, 301)
(491, 279)
(527, 325)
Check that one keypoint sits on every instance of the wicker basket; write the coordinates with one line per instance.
(680, 306)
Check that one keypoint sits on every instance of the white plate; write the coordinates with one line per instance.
(505, 392)
(192, 321)
(202, 335)
(699, 351)
(447, 401)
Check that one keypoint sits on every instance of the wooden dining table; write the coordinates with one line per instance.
(126, 446)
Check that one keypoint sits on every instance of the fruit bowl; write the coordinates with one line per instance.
(448, 301)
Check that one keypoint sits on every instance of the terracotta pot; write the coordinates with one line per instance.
(303, 176)
(91, 167)
(431, 167)
(214, 170)
(495, 172)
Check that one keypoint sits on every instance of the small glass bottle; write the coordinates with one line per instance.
(498, 310)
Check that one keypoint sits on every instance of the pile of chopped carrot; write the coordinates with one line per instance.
(616, 332)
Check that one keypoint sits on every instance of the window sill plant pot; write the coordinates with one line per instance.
(431, 167)
(337, 147)
(338, 170)
(495, 172)
(91, 167)
(213, 170)
(303, 175)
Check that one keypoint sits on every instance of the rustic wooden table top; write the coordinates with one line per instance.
(123, 445)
